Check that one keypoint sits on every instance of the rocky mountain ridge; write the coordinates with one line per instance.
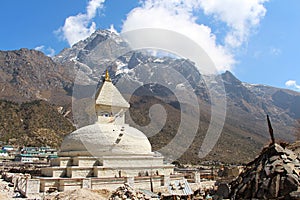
(246, 103)
(27, 75)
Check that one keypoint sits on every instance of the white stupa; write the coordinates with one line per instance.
(107, 149)
(109, 136)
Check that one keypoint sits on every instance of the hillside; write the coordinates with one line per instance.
(35, 123)
(234, 145)
(27, 75)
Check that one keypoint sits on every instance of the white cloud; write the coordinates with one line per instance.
(241, 16)
(292, 84)
(51, 52)
(179, 15)
(81, 26)
(40, 48)
(112, 29)
(275, 51)
(48, 51)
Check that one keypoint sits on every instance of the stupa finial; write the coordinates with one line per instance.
(107, 77)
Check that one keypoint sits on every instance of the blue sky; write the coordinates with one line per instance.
(258, 40)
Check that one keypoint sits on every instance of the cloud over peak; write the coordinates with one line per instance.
(240, 17)
(292, 84)
(81, 26)
(48, 51)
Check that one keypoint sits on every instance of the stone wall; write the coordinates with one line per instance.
(62, 184)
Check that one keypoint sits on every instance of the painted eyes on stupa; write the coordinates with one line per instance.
(105, 114)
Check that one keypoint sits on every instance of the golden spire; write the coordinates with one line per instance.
(107, 77)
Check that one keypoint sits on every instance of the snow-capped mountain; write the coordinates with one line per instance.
(104, 49)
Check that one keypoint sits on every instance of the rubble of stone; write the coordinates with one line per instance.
(295, 147)
(7, 191)
(274, 174)
(13, 177)
(79, 194)
(9, 184)
(127, 192)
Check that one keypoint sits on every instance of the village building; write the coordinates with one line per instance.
(35, 154)
(3, 153)
(26, 158)
(6, 153)
(8, 148)
(107, 153)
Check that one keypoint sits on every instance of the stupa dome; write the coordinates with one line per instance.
(99, 139)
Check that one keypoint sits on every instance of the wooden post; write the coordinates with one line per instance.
(271, 130)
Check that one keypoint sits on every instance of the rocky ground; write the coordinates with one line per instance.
(85, 194)
(7, 191)
(274, 174)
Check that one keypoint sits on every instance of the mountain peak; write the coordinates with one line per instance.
(229, 77)
(97, 37)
